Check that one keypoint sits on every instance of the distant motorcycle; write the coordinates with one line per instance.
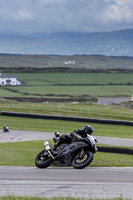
(79, 154)
(5, 129)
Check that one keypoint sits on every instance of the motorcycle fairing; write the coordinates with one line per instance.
(69, 151)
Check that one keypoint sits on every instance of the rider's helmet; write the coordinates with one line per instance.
(57, 134)
(88, 129)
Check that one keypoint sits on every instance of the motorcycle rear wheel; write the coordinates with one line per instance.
(42, 161)
(80, 163)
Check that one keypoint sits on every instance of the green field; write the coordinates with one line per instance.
(67, 85)
(62, 80)
(94, 91)
(76, 78)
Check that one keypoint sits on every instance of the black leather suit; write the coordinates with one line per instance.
(77, 134)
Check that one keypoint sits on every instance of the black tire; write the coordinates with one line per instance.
(42, 161)
(83, 162)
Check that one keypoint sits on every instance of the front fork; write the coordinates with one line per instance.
(81, 153)
(47, 147)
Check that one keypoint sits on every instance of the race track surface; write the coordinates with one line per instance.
(90, 182)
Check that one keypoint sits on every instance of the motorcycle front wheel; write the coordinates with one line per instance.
(82, 161)
(42, 160)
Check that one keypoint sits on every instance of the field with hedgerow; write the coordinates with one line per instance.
(78, 86)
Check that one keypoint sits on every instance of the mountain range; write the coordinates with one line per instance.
(116, 43)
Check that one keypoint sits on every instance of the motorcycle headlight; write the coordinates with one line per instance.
(46, 145)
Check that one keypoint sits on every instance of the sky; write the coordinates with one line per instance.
(49, 16)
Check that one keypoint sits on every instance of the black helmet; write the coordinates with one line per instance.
(88, 129)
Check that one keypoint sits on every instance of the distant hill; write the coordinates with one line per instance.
(116, 43)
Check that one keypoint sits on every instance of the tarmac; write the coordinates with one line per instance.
(20, 135)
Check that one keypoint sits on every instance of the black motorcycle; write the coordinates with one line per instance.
(5, 129)
(79, 154)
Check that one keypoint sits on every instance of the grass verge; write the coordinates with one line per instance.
(24, 153)
(89, 110)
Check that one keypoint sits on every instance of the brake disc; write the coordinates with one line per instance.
(78, 160)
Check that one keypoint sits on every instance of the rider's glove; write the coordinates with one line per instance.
(63, 137)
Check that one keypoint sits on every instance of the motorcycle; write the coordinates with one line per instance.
(5, 129)
(78, 153)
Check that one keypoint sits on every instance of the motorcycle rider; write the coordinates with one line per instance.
(78, 134)
(82, 133)
(5, 128)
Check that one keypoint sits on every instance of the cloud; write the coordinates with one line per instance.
(39, 16)
(119, 12)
